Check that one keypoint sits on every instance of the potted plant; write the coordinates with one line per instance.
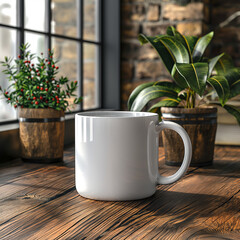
(195, 79)
(41, 100)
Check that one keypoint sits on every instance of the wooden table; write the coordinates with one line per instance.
(40, 202)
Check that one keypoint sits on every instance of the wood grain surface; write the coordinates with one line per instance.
(40, 202)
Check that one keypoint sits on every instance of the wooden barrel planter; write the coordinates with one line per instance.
(200, 124)
(41, 135)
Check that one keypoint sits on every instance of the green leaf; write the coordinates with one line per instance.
(220, 84)
(212, 63)
(191, 42)
(78, 100)
(195, 75)
(176, 49)
(233, 77)
(135, 93)
(233, 111)
(171, 31)
(164, 54)
(179, 78)
(150, 93)
(200, 46)
(171, 85)
(224, 64)
(138, 89)
(167, 102)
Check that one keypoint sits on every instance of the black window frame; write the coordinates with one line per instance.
(108, 44)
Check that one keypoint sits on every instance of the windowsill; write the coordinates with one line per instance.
(14, 126)
(70, 116)
(9, 127)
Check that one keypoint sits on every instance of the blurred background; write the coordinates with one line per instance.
(140, 64)
(74, 29)
(152, 17)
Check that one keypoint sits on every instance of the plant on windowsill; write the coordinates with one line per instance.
(196, 79)
(41, 100)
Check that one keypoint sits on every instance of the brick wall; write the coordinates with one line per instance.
(227, 38)
(141, 63)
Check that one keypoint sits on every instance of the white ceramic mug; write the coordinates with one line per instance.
(117, 154)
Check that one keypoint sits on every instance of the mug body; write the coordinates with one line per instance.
(114, 152)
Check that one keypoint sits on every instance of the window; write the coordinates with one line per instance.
(71, 27)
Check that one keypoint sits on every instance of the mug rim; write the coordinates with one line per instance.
(118, 114)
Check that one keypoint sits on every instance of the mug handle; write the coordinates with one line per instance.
(187, 151)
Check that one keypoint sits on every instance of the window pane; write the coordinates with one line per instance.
(66, 51)
(35, 15)
(7, 48)
(37, 43)
(64, 17)
(8, 13)
(90, 74)
(91, 19)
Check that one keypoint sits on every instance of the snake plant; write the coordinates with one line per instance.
(195, 76)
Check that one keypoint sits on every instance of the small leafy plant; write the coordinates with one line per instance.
(195, 77)
(34, 85)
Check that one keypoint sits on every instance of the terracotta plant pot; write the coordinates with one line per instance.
(200, 124)
(41, 135)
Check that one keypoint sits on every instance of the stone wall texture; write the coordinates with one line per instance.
(141, 63)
